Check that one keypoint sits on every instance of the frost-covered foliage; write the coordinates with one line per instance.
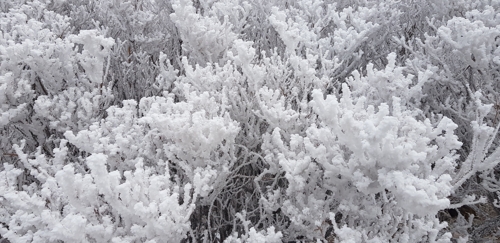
(249, 121)
(52, 80)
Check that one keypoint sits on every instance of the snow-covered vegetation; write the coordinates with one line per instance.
(249, 121)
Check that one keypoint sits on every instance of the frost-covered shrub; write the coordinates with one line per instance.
(252, 235)
(147, 167)
(95, 204)
(205, 38)
(185, 133)
(51, 79)
(365, 167)
(247, 121)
